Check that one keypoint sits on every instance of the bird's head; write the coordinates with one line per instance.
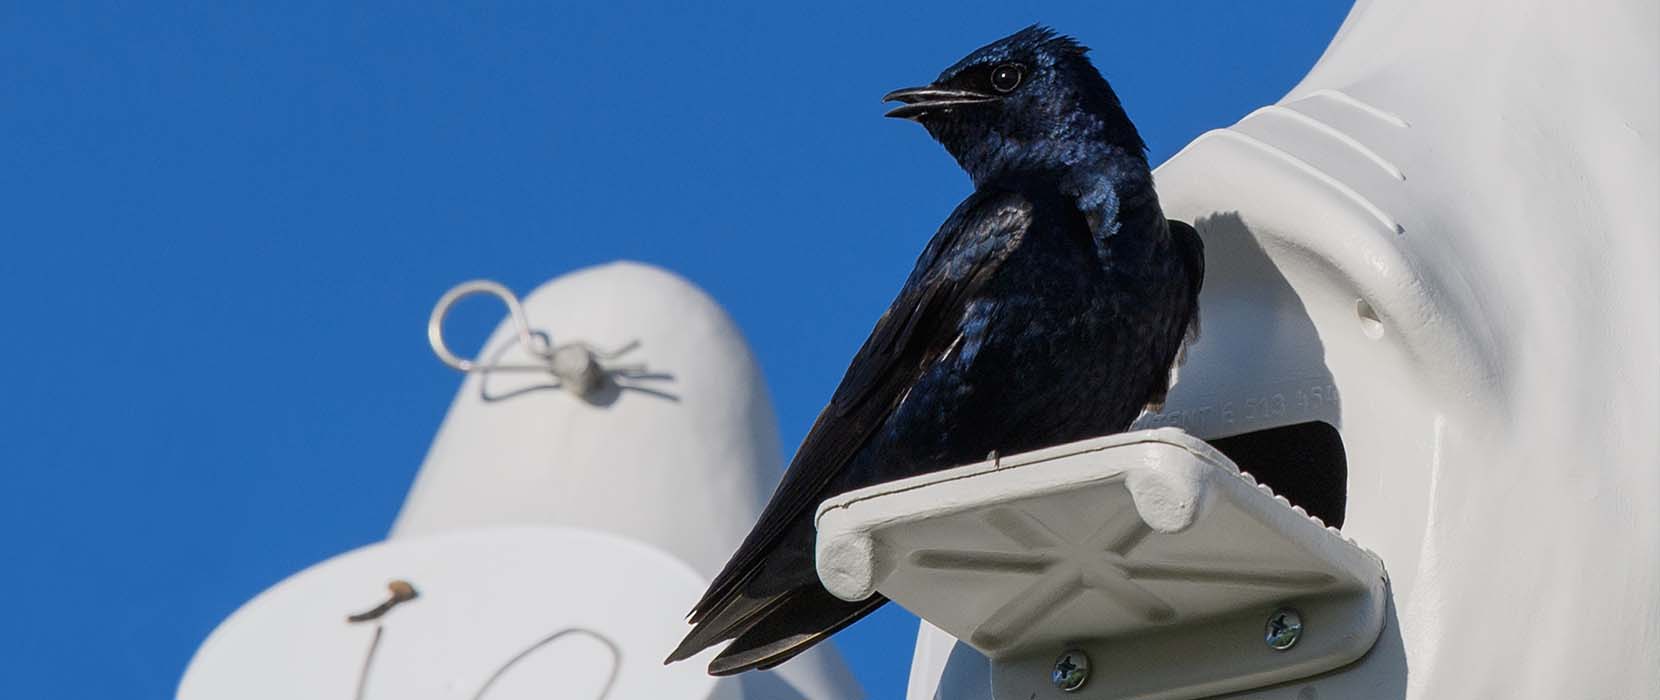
(1031, 101)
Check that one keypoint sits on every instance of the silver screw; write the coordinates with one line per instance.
(1283, 630)
(1071, 670)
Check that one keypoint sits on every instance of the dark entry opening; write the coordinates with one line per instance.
(1303, 462)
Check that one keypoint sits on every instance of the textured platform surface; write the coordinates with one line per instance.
(1148, 549)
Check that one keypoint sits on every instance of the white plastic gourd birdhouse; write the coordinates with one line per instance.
(1430, 317)
(607, 451)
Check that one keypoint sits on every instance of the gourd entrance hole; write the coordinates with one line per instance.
(1304, 462)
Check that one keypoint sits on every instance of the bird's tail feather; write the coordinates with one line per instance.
(725, 620)
(804, 617)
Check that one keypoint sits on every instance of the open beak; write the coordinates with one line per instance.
(922, 100)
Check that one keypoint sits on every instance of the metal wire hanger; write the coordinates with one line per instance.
(575, 364)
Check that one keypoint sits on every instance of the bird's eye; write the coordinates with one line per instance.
(1006, 77)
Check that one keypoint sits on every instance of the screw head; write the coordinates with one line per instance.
(1071, 670)
(1283, 630)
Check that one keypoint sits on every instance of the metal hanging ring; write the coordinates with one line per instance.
(535, 342)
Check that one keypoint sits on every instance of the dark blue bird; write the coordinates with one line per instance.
(1048, 308)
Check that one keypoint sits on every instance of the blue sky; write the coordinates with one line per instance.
(223, 228)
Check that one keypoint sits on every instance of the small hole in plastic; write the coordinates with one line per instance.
(1369, 323)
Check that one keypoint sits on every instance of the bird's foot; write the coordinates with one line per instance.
(995, 459)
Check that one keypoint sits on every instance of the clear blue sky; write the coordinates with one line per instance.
(223, 229)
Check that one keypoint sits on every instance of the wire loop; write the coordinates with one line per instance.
(535, 342)
(576, 365)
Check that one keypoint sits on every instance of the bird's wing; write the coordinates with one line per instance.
(1189, 251)
(913, 332)
(1191, 248)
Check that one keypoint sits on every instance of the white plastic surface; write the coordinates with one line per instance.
(485, 626)
(1148, 550)
(648, 484)
(691, 440)
(679, 451)
(1443, 242)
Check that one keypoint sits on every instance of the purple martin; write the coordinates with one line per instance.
(1048, 308)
